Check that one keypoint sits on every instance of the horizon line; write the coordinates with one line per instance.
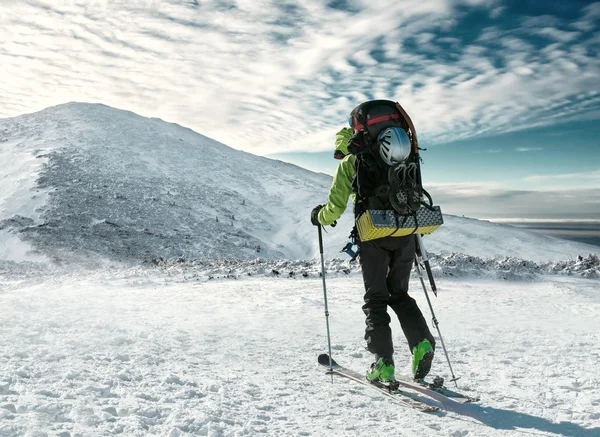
(539, 220)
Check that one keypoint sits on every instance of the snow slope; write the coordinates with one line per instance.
(491, 240)
(85, 181)
(97, 181)
(146, 354)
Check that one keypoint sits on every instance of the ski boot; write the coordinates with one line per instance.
(422, 358)
(382, 371)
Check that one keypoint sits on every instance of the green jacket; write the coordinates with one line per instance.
(341, 188)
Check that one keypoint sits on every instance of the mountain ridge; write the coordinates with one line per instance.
(102, 167)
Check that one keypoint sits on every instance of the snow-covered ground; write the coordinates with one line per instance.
(127, 309)
(131, 353)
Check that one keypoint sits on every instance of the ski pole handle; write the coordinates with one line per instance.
(430, 276)
(422, 253)
(320, 240)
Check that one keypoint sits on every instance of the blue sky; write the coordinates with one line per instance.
(505, 95)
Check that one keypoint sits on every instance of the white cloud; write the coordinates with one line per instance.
(558, 35)
(497, 12)
(583, 176)
(539, 220)
(541, 21)
(529, 149)
(523, 71)
(486, 200)
(486, 3)
(589, 19)
(265, 75)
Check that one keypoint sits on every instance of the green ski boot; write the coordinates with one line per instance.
(422, 358)
(382, 371)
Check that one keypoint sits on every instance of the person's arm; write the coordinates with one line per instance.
(341, 142)
(340, 191)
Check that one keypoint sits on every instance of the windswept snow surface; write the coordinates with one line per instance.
(138, 353)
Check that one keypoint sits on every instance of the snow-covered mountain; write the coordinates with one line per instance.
(86, 179)
(89, 181)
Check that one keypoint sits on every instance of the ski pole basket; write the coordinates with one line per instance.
(373, 224)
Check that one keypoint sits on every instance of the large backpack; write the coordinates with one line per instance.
(389, 195)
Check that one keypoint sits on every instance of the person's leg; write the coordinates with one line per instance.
(411, 319)
(374, 261)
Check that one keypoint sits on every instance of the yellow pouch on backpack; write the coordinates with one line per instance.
(373, 224)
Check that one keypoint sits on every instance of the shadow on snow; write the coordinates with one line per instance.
(511, 420)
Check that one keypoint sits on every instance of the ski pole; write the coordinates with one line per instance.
(435, 321)
(325, 300)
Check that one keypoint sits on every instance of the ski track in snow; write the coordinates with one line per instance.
(156, 355)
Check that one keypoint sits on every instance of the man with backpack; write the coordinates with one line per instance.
(376, 142)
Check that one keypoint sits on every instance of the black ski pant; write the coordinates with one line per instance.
(386, 265)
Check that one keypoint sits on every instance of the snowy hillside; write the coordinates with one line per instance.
(492, 240)
(92, 180)
(88, 181)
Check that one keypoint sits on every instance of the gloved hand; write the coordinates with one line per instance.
(356, 143)
(314, 215)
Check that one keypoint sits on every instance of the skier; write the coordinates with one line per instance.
(386, 264)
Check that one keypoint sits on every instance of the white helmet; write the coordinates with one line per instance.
(394, 145)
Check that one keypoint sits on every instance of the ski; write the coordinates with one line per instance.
(398, 396)
(433, 389)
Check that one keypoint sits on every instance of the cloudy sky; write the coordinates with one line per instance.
(505, 94)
